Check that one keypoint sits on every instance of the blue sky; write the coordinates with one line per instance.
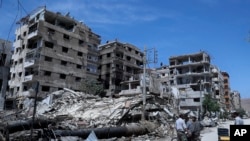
(173, 27)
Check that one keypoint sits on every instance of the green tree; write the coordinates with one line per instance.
(92, 86)
(224, 114)
(210, 105)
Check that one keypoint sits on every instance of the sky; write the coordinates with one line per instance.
(172, 27)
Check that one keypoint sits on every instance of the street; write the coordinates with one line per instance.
(210, 133)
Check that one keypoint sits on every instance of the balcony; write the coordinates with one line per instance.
(18, 43)
(33, 34)
(29, 63)
(215, 79)
(28, 78)
(25, 93)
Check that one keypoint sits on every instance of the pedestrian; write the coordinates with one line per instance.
(195, 129)
(189, 124)
(238, 120)
(181, 128)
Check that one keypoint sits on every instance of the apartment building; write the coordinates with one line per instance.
(227, 91)
(53, 49)
(164, 75)
(218, 86)
(191, 74)
(236, 98)
(5, 56)
(119, 62)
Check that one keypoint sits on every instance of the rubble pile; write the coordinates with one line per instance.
(84, 110)
(67, 113)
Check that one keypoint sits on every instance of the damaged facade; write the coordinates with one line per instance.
(227, 91)
(119, 62)
(54, 50)
(192, 76)
(5, 57)
(60, 52)
(235, 95)
(164, 75)
(218, 86)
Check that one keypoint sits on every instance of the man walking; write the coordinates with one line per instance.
(195, 129)
(238, 119)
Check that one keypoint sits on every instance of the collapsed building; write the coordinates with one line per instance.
(58, 53)
(67, 113)
(53, 50)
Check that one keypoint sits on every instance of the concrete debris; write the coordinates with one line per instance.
(68, 114)
(209, 122)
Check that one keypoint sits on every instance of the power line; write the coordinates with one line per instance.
(14, 21)
(19, 3)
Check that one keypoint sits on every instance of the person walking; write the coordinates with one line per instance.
(189, 124)
(238, 120)
(181, 128)
(195, 129)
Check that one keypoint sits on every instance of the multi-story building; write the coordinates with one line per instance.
(191, 74)
(236, 100)
(164, 74)
(218, 86)
(53, 49)
(5, 56)
(227, 90)
(119, 62)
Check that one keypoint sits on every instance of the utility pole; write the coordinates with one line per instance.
(146, 60)
(34, 110)
(144, 84)
(200, 82)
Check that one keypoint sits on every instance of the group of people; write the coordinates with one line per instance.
(187, 130)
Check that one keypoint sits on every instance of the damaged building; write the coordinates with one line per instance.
(189, 77)
(59, 53)
(54, 50)
(218, 86)
(192, 76)
(119, 62)
(5, 57)
(235, 95)
(227, 91)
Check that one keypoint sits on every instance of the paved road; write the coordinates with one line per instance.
(210, 133)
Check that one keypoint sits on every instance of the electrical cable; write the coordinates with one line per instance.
(14, 21)
(19, 3)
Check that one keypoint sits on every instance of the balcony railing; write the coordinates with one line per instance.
(33, 34)
(28, 78)
(215, 79)
(29, 63)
